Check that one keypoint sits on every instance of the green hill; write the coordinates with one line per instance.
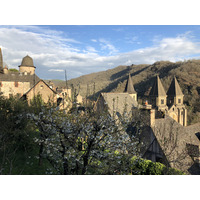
(187, 74)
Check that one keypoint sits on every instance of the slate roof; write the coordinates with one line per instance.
(119, 102)
(174, 89)
(27, 61)
(20, 77)
(174, 141)
(157, 89)
(129, 86)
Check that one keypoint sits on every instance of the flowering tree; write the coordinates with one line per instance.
(83, 142)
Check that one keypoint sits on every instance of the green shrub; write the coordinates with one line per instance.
(141, 166)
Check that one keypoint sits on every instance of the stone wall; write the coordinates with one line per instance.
(42, 89)
(9, 88)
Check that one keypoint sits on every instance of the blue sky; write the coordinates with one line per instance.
(81, 49)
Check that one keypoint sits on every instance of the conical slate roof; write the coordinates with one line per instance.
(129, 86)
(174, 88)
(1, 62)
(157, 89)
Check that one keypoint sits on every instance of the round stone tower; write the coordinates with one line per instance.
(27, 65)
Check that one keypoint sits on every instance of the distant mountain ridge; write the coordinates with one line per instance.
(114, 80)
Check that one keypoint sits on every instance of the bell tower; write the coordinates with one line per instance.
(157, 96)
(175, 102)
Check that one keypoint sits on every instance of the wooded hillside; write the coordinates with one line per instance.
(187, 74)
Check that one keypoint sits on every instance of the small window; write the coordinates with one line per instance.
(41, 87)
(16, 84)
(162, 101)
(179, 100)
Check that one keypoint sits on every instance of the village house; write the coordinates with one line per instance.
(26, 84)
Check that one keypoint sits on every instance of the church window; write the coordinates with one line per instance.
(179, 100)
(16, 84)
(162, 101)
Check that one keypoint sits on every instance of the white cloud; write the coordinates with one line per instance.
(52, 52)
(106, 45)
(93, 40)
(56, 70)
(91, 49)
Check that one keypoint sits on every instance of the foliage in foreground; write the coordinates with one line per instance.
(141, 166)
(52, 142)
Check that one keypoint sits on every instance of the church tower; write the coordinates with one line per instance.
(1, 62)
(177, 109)
(157, 95)
(174, 94)
(130, 88)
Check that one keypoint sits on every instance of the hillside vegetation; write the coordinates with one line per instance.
(114, 80)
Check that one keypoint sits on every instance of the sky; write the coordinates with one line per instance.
(84, 49)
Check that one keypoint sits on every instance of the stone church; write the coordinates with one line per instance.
(170, 103)
(166, 136)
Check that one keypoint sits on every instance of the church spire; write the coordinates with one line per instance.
(129, 86)
(174, 89)
(174, 93)
(158, 95)
(157, 89)
(1, 62)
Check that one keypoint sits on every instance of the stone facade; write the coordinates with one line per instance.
(170, 104)
(13, 88)
(42, 89)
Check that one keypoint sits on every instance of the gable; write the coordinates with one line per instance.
(42, 89)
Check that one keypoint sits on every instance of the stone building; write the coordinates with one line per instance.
(166, 136)
(170, 140)
(26, 84)
(41, 88)
(118, 103)
(169, 104)
(16, 83)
